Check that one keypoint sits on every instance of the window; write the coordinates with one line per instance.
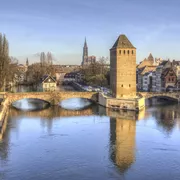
(122, 85)
(132, 52)
(172, 79)
(129, 85)
(124, 52)
(169, 79)
(120, 52)
(128, 52)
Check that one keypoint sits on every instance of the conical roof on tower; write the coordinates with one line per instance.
(150, 58)
(123, 42)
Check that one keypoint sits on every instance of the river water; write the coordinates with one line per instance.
(92, 143)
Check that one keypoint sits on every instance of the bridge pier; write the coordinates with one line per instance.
(134, 104)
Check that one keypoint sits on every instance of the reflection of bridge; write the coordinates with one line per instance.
(53, 112)
(52, 97)
(168, 95)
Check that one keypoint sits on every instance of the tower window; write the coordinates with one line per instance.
(129, 85)
(128, 52)
(122, 85)
(124, 52)
(120, 52)
(132, 52)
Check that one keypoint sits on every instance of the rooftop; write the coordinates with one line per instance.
(123, 42)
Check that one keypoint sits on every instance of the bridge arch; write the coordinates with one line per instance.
(14, 97)
(166, 95)
(76, 103)
(14, 101)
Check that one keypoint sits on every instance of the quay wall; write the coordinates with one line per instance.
(3, 116)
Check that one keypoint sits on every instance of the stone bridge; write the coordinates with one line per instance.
(168, 95)
(54, 98)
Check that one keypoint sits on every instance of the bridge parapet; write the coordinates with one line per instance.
(51, 97)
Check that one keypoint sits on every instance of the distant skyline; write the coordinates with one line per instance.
(60, 26)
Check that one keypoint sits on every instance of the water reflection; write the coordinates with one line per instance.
(167, 117)
(75, 144)
(30, 104)
(123, 132)
(75, 103)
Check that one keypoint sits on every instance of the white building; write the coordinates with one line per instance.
(147, 81)
(154, 81)
(49, 84)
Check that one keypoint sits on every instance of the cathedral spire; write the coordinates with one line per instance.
(85, 43)
(85, 53)
(27, 62)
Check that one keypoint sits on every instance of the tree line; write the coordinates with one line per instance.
(96, 73)
(36, 71)
(6, 72)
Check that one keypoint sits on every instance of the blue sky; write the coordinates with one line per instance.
(60, 26)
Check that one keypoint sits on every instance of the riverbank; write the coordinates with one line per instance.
(3, 116)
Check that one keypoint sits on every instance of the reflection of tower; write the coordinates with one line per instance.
(85, 53)
(122, 139)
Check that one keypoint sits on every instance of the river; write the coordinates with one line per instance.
(92, 143)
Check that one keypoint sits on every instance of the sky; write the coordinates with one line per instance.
(60, 26)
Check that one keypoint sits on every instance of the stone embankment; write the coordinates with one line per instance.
(3, 115)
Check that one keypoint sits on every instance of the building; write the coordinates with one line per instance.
(169, 79)
(91, 59)
(86, 60)
(69, 77)
(176, 67)
(123, 68)
(146, 62)
(140, 74)
(158, 61)
(164, 64)
(79, 77)
(49, 83)
(154, 81)
(147, 82)
(122, 78)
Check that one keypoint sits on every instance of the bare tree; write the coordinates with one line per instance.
(4, 61)
(96, 73)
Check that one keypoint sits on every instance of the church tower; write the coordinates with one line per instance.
(27, 62)
(85, 53)
(123, 68)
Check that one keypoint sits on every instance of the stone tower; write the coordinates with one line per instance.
(85, 53)
(123, 68)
